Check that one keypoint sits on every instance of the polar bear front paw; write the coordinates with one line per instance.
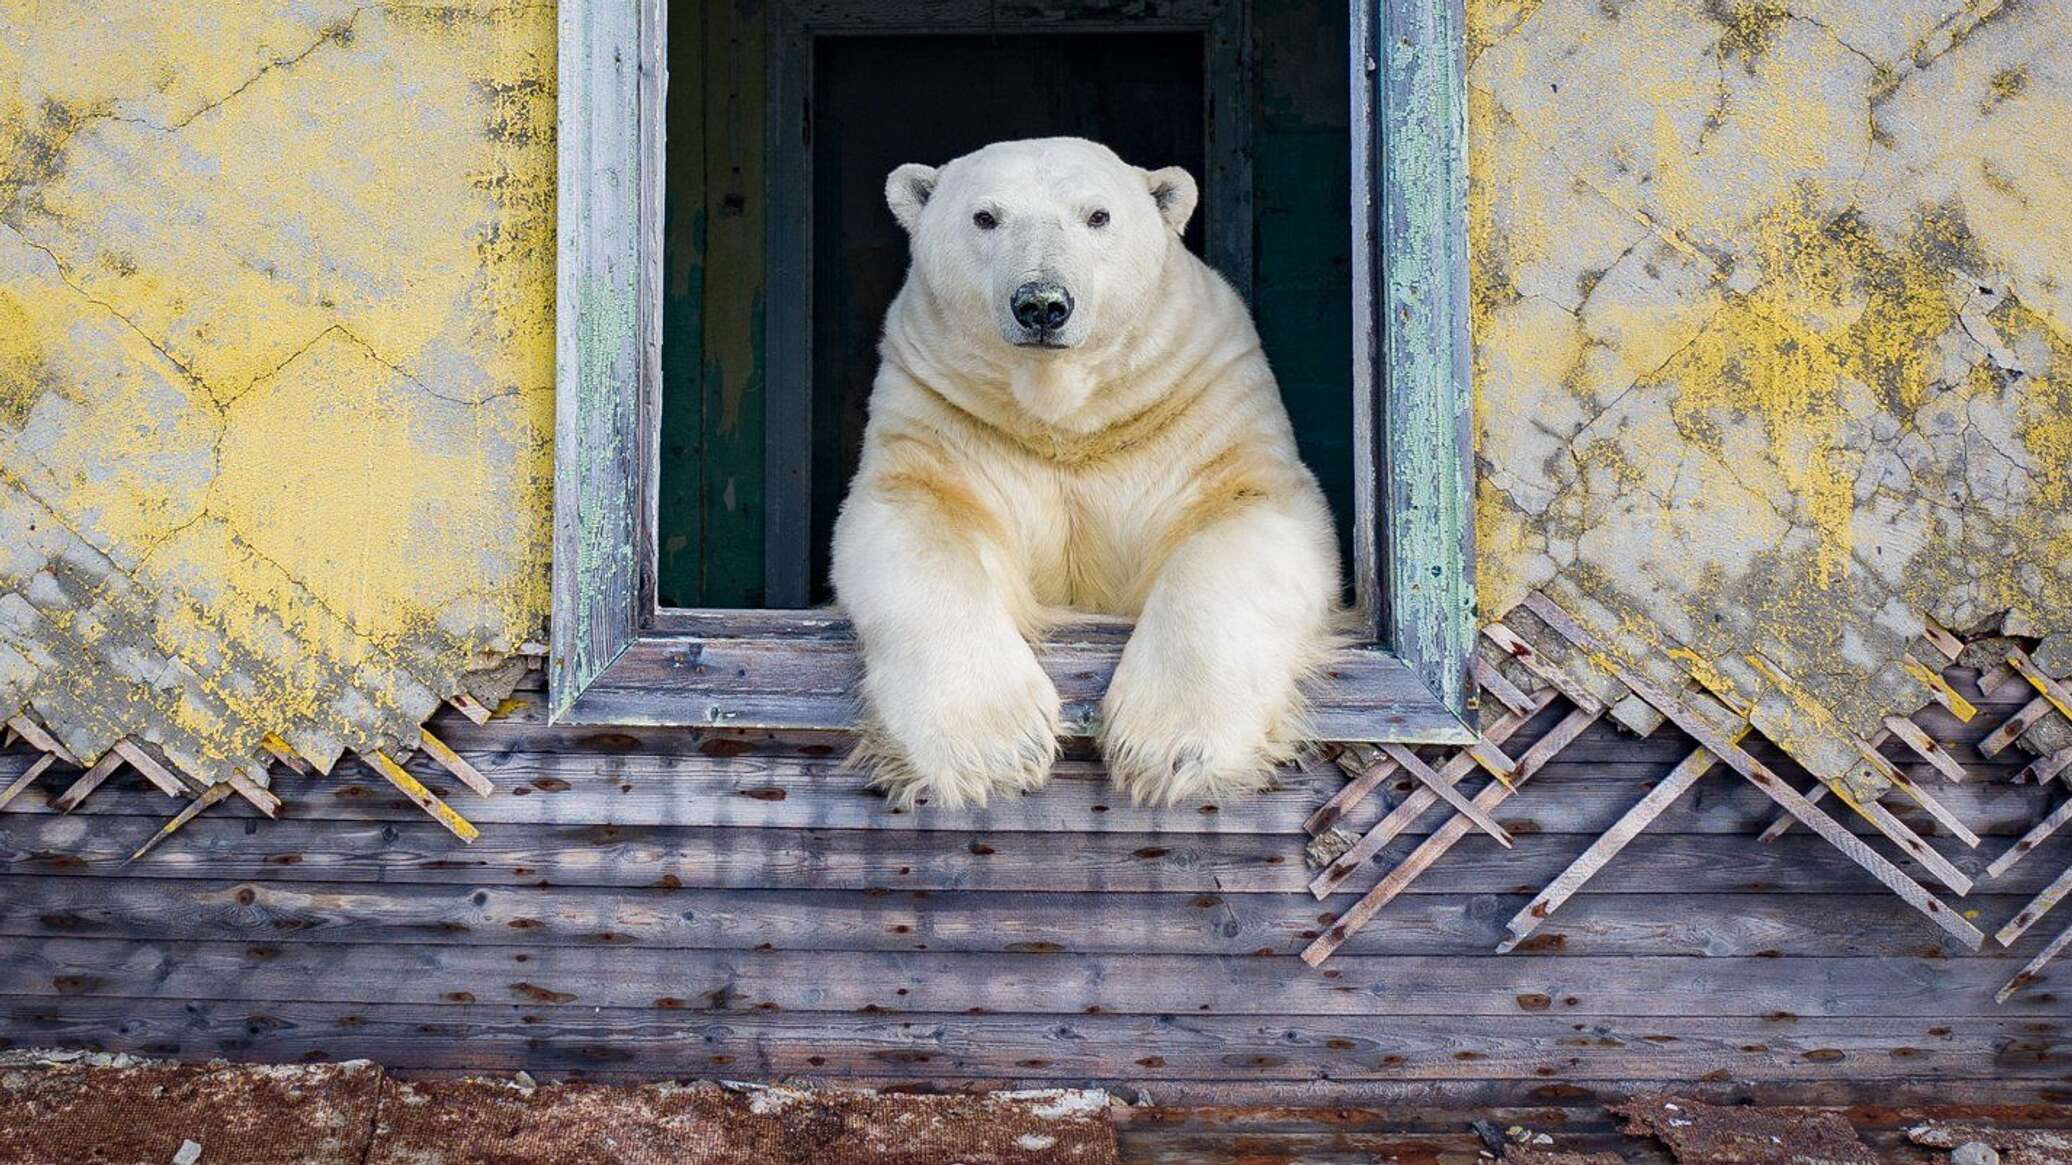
(1162, 747)
(933, 741)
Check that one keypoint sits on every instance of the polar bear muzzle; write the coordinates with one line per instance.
(1041, 307)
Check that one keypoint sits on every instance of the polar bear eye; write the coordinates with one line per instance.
(984, 220)
(1097, 219)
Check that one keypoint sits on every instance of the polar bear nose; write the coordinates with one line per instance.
(1041, 306)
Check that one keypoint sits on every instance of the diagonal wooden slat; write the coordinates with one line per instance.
(27, 778)
(2053, 692)
(2030, 840)
(88, 781)
(1522, 651)
(1925, 747)
(1333, 876)
(2028, 974)
(2038, 906)
(1331, 812)
(422, 797)
(1434, 847)
(1759, 774)
(1935, 809)
(1493, 682)
(284, 752)
(454, 763)
(1939, 688)
(209, 796)
(158, 774)
(1608, 844)
(2044, 768)
(2027, 717)
(1415, 766)
(471, 708)
(33, 732)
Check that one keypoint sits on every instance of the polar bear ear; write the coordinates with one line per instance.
(907, 190)
(1174, 191)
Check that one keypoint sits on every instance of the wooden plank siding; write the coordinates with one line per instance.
(685, 902)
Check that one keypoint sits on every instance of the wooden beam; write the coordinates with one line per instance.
(1760, 775)
(1608, 845)
(1447, 793)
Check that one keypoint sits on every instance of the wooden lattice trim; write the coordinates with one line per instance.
(91, 780)
(1759, 774)
(1412, 764)
(2049, 690)
(28, 777)
(1332, 811)
(454, 763)
(208, 797)
(2037, 907)
(33, 732)
(1608, 844)
(420, 796)
(2030, 840)
(1434, 847)
(1331, 877)
(2048, 767)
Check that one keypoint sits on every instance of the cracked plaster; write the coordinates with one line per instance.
(276, 367)
(1771, 322)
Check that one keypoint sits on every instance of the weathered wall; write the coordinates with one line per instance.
(1772, 331)
(276, 365)
(1774, 334)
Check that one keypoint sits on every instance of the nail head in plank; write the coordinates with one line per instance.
(2023, 720)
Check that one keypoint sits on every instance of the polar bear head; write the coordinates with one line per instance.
(1039, 248)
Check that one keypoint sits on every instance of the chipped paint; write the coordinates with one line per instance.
(276, 367)
(1771, 315)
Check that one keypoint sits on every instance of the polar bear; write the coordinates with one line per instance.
(1072, 413)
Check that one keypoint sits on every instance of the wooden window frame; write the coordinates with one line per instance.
(616, 657)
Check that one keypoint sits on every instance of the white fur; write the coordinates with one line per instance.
(1145, 468)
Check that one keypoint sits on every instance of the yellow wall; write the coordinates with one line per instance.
(1772, 319)
(276, 364)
